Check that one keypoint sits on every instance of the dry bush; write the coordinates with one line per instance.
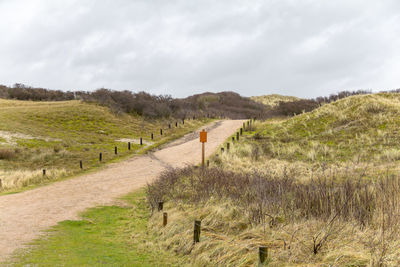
(7, 154)
(310, 217)
(265, 195)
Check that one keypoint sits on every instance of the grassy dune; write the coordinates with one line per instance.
(273, 100)
(56, 135)
(318, 189)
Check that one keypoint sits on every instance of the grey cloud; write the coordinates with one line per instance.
(304, 48)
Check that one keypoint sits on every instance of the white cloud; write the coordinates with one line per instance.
(180, 47)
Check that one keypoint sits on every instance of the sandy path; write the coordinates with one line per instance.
(24, 215)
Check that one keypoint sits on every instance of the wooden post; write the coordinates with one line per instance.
(262, 253)
(81, 164)
(129, 145)
(208, 163)
(44, 172)
(141, 141)
(152, 136)
(160, 205)
(169, 126)
(241, 131)
(100, 157)
(176, 124)
(237, 136)
(165, 219)
(196, 232)
(202, 154)
(160, 131)
(116, 151)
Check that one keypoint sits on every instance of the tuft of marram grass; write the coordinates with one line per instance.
(16, 179)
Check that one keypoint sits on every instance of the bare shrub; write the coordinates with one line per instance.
(261, 196)
(7, 154)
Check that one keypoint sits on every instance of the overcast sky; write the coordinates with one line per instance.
(305, 48)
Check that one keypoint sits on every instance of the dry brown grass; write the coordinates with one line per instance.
(274, 99)
(327, 195)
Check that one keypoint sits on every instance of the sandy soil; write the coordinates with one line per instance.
(24, 215)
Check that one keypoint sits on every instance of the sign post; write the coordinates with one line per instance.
(203, 140)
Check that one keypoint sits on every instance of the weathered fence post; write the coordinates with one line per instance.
(44, 172)
(196, 232)
(115, 150)
(160, 205)
(152, 136)
(129, 145)
(100, 157)
(165, 219)
(237, 136)
(141, 141)
(241, 131)
(160, 131)
(262, 253)
(81, 164)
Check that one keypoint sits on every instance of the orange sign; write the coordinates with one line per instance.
(203, 136)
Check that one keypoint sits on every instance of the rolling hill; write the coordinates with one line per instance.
(56, 136)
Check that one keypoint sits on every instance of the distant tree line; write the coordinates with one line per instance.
(225, 104)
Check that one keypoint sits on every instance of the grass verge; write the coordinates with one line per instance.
(106, 236)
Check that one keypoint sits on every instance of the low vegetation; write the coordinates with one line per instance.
(319, 189)
(224, 104)
(105, 236)
(56, 136)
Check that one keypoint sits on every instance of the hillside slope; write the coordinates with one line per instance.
(365, 127)
(56, 135)
(319, 189)
(273, 99)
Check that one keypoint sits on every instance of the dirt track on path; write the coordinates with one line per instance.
(24, 215)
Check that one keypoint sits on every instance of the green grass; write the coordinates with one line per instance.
(364, 127)
(57, 135)
(106, 236)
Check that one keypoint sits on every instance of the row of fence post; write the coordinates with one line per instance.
(238, 134)
(129, 144)
(262, 250)
(116, 148)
